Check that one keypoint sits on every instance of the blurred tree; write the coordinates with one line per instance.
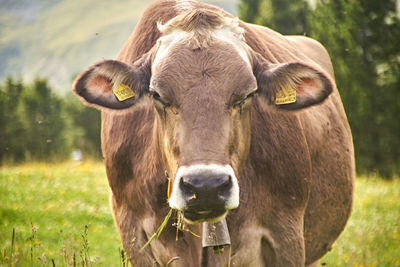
(45, 125)
(248, 10)
(37, 124)
(12, 132)
(86, 123)
(363, 39)
(284, 16)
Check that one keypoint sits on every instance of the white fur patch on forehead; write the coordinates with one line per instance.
(201, 23)
(165, 43)
(233, 36)
(184, 5)
(224, 34)
(199, 34)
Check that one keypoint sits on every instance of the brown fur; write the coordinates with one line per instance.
(295, 169)
(200, 23)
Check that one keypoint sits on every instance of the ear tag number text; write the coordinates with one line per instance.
(285, 96)
(123, 92)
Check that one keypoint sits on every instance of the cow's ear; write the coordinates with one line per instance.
(292, 86)
(111, 84)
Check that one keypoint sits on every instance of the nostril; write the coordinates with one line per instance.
(206, 186)
(186, 186)
(225, 187)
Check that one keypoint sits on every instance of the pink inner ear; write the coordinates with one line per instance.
(100, 85)
(309, 86)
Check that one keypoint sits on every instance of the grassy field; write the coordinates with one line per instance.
(49, 207)
(60, 216)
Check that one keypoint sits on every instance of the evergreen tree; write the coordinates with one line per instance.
(284, 16)
(12, 132)
(37, 124)
(86, 126)
(45, 123)
(363, 38)
(248, 10)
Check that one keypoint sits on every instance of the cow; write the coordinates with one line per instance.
(237, 129)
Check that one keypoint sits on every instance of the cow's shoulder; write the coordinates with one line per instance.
(314, 50)
(278, 48)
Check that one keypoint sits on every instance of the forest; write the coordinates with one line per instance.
(40, 125)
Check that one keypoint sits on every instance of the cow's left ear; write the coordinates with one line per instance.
(292, 86)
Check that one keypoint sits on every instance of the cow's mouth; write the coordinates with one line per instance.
(198, 216)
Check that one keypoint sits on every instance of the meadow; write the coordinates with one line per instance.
(58, 215)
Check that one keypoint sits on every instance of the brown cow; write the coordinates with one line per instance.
(242, 119)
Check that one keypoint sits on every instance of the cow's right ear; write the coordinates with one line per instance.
(111, 84)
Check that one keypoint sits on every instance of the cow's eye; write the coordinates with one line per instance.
(241, 102)
(249, 96)
(156, 96)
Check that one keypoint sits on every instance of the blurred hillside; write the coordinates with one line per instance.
(57, 39)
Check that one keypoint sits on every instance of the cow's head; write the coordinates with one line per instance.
(201, 77)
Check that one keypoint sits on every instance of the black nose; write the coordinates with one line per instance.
(206, 191)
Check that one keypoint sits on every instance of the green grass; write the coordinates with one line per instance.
(59, 201)
(49, 206)
(372, 235)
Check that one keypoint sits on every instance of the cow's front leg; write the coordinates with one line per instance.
(132, 235)
(283, 245)
(279, 243)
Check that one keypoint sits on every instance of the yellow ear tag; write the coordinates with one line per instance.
(123, 92)
(285, 96)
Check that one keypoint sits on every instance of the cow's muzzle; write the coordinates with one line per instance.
(205, 192)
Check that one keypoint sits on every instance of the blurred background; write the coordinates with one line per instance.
(45, 43)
